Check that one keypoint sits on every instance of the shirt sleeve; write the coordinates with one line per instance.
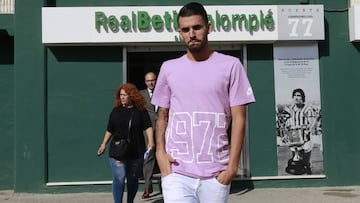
(110, 125)
(147, 120)
(240, 90)
(162, 91)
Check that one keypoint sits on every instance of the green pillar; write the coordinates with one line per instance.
(29, 98)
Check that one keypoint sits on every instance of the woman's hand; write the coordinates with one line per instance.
(101, 149)
(103, 144)
(151, 146)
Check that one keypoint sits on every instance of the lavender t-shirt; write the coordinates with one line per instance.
(199, 96)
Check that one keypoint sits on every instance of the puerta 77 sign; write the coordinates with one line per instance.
(301, 22)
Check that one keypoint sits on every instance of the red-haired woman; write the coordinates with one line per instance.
(129, 105)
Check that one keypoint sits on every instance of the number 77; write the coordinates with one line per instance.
(295, 23)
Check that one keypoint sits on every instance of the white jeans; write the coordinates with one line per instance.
(184, 189)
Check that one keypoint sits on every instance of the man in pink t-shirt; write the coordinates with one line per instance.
(198, 95)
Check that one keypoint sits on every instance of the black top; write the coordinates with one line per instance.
(119, 123)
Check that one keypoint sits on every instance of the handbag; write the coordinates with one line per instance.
(119, 147)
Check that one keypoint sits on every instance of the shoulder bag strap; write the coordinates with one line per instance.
(130, 121)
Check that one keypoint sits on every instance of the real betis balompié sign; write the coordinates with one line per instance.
(159, 24)
(142, 21)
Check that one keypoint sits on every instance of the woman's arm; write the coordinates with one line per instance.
(150, 135)
(106, 139)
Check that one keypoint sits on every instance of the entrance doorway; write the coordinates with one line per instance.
(142, 60)
(139, 63)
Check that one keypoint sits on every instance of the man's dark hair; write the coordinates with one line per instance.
(191, 9)
(301, 92)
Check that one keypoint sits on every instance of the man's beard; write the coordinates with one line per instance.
(196, 49)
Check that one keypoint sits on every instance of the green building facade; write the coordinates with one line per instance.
(56, 98)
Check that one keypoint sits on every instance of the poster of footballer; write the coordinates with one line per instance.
(298, 109)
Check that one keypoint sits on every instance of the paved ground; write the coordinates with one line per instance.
(280, 195)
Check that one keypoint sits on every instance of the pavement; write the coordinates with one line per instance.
(269, 195)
